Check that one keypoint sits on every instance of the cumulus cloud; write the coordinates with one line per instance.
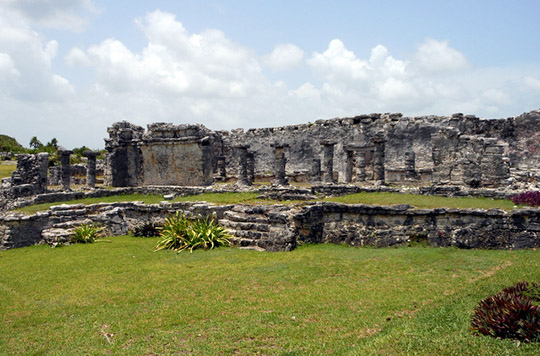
(65, 14)
(284, 57)
(30, 56)
(437, 56)
(184, 77)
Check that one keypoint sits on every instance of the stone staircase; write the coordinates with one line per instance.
(260, 227)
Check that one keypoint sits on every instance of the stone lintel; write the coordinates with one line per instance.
(90, 153)
(358, 148)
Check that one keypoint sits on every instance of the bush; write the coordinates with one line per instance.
(180, 233)
(86, 233)
(527, 198)
(513, 313)
(148, 229)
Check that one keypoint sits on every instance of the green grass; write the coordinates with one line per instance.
(7, 168)
(419, 201)
(424, 201)
(146, 198)
(220, 198)
(318, 299)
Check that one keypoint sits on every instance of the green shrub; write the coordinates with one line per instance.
(148, 229)
(180, 233)
(86, 233)
(513, 313)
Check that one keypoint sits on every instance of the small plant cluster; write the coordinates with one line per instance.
(148, 229)
(513, 313)
(181, 233)
(531, 198)
(86, 233)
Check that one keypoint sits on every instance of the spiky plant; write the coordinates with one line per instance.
(513, 313)
(147, 229)
(86, 233)
(180, 233)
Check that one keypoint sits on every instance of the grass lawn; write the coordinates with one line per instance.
(122, 298)
(424, 201)
(7, 168)
(419, 201)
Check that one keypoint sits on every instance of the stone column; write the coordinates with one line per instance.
(378, 158)
(242, 169)
(251, 166)
(91, 168)
(316, 170)
(66, 169)
(410, 164)
(328, 161)
(494, 169)
(221, 169)
(361, 166)
(279, 164)
(349, 165)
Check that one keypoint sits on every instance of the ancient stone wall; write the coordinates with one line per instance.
(281, 228)
(30, 177)
(460, 149)
(513, 143)
(165, 155)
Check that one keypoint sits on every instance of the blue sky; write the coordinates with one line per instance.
(70, 68)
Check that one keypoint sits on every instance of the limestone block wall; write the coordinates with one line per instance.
(281, 228)
(519, 137)
(361, 225)
(29, 178)
(164, 155)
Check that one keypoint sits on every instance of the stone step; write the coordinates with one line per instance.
(248, 234)
(238, 225)
(260, 210)
(242, 242)
(246, 217)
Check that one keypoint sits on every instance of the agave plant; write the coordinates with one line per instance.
(180, 233)
(148, 229)
(86, 233)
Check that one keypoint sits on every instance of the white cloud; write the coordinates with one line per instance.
(65, 14)
(205, 77)
(78, 57)
(532, 83)
(437, 56)
(32, 56)
(284, 57)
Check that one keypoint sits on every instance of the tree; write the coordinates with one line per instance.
(53, 144)
(35, 143)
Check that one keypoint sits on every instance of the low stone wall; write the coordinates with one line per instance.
(281, 228)
(56, 224)
(361, 225)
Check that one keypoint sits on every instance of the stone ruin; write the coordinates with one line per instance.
(165, 155)
(375, 149)
(368, 149)
(458, 156)
(30, 177)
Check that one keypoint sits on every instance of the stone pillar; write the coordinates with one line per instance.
(328, 161)
(361, 166)
(378, 158)
(494, 169)
(279, 164)
(349, 166)
(410, 164)
(91, 168)
(221, 169)
(316, 170)
(66, 169)
(250, 166)
(242, 169)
